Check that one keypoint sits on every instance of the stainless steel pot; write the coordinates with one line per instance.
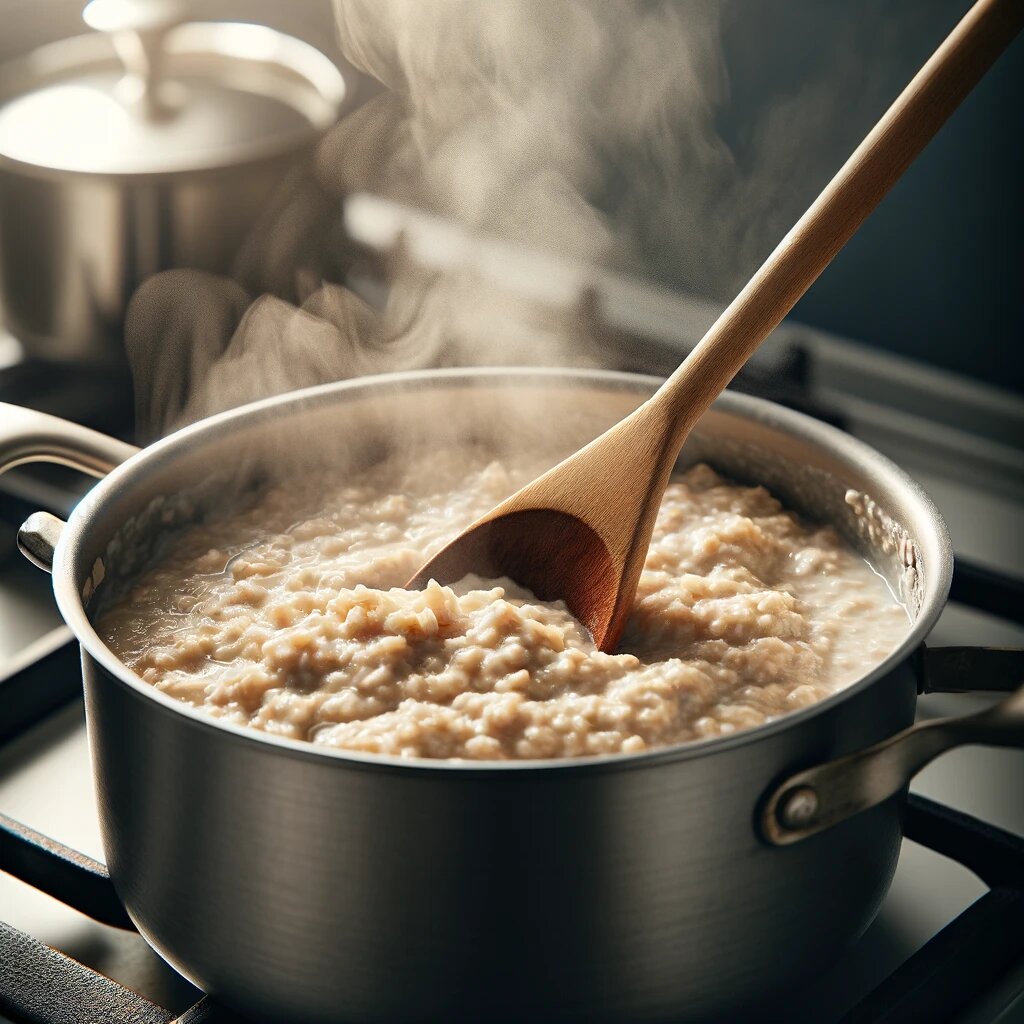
(147, 145)
(312, 885)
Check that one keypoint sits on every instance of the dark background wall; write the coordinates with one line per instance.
(937, 273)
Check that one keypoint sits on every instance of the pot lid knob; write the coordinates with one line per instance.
(137, 29)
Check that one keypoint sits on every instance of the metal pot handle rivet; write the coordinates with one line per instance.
(798, 807)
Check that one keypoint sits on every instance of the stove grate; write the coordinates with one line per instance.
(969, 955)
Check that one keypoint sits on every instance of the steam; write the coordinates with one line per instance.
(579, 127)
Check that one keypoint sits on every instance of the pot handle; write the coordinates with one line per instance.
(818, 798)
(30, 436)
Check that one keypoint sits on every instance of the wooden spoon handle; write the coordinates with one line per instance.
(875, 166)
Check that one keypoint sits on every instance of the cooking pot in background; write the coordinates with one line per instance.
(148, 144)
(299, 883)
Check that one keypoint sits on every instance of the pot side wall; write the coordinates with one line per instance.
(309, 888)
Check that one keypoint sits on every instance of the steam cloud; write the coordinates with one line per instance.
(576, 126)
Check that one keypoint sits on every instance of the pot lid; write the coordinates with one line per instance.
(148, 94)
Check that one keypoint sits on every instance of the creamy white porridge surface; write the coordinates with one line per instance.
(288, 616)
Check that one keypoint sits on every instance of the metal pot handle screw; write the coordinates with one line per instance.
(818, 798)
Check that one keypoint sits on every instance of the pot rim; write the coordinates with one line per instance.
(937, 555)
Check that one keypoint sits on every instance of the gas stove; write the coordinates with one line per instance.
(948, 943)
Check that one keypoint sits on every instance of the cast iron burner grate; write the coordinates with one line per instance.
(40, 985)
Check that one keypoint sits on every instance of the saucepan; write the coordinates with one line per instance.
(296, 883)
(151, 143)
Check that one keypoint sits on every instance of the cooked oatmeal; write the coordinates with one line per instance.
(289, 616)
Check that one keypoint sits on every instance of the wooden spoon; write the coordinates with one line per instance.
(581, 531)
